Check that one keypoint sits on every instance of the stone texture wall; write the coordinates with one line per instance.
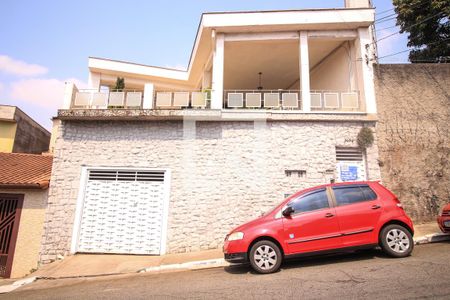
(29, 237)
(223, 173)
(414, 137)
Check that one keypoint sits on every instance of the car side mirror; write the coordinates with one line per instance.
(287, 212)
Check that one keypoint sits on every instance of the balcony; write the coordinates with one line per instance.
(236, 100)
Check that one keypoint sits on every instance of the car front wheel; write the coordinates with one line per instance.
(265, 257)
(396, 241)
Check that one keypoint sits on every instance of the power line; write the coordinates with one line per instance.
(384, 28)
(409, 27)
(393, 54)
(388, 10)
(380, 20)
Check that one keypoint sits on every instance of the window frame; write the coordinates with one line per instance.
(327, 193)
(360, 186)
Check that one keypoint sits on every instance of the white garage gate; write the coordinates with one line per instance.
(122, 211)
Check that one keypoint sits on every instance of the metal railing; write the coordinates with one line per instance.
(94, 99)
(182, 99)
(263, 99)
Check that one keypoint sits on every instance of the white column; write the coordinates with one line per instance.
(304, 72)
(148, 96)
(217, 72)
(69, 92)
(206, 80)
(94, 81)
(367, 69)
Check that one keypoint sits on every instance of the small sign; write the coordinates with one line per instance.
(348, 172)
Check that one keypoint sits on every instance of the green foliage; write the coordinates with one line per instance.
(120, 84)
(428, 25)
(365, 138)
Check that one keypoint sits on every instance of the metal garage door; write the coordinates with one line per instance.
(122, 212)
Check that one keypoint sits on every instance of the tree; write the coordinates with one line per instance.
(120, 84)
(428, 25)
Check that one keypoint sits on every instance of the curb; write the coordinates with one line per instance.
(17, 284)
(193, 265)
(432, 238)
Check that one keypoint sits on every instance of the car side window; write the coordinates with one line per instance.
(346, 195)
(310, 202)
(369, 193)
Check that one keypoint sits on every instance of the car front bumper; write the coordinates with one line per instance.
(236, 258)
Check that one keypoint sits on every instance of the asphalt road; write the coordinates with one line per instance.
(363, 275)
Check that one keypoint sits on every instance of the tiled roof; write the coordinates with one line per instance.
(19, 170)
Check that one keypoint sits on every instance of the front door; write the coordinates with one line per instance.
(313, 226)
(358, 209)
(10, 209)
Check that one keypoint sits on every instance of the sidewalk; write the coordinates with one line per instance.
(96, 265)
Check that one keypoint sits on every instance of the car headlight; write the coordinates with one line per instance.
(236, 236)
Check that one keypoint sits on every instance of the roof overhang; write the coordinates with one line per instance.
(237, 22)
(40, 186)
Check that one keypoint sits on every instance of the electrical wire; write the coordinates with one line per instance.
(409, 27)
(393, 54)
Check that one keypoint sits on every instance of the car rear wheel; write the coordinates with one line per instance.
(265, 257)
(396, 241)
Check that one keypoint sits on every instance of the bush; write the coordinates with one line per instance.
(365, 138)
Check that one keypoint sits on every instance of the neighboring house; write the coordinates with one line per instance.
(271, 102)
(21, 134)
(24, 180)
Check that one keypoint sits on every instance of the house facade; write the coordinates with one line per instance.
(24, 181)
(271, 102)
(21, 134)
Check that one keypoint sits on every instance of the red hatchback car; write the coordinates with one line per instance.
(444, 219)
(323, 219)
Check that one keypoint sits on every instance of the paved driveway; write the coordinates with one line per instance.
(368, 275)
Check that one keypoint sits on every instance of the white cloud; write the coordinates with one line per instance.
(17, 67)
(45, 93)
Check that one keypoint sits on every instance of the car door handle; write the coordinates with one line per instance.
(329, 215)
(376, 206)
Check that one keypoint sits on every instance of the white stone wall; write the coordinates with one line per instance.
(223, 173)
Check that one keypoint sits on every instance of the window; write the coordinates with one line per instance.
(368, 193)
(353, 194)
(310, 202)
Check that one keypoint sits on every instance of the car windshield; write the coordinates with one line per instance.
(273, 208)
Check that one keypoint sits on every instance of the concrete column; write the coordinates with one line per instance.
(217, 72)
(94, 81)
(367, 69)
(206, 80)
(357, 3)
(69, 93)
(304, 72)
(148, 96)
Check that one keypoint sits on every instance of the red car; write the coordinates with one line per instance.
(444, 219)
(323, 219)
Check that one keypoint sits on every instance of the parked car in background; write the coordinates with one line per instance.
(444, 219)
(323, 219)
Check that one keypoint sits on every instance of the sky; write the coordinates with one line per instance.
(44, 44)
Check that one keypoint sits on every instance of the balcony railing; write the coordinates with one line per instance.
(182, 99)
(335, 101)
(95, 99)
(321, 101)
(263, 99)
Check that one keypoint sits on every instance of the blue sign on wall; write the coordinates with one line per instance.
(349, 173)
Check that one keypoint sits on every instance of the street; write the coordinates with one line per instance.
(363, 275)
